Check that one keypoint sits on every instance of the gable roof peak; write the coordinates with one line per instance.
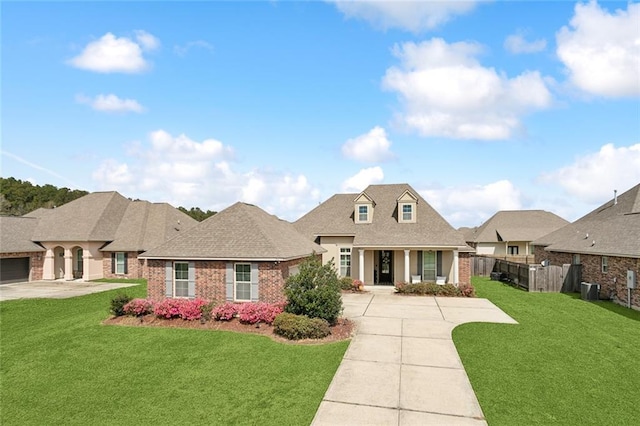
(365, 196)
(408, 193)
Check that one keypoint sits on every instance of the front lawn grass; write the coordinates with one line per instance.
(568, 361)
(121, 280)
(59, 365)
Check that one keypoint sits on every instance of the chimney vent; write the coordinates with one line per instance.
(615, 197)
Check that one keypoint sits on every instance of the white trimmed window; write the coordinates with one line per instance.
(363, 213)
(181, 279)
(407, 213)
(429, 266)
(242, 282)
(345, 262)
(605, 264)
(120, 262)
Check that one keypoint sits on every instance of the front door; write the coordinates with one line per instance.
(385, 266)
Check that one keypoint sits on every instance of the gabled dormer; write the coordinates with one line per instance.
(407, 207)
(363, 211)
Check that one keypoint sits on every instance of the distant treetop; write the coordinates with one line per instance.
(19, 197)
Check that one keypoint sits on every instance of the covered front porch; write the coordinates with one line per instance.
(391, 265)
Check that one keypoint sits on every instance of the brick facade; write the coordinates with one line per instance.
(464, 268)
(613, 283)
(211, 279)
(36, 263)
(135, 266)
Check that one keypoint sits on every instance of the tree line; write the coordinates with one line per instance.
(18, 197)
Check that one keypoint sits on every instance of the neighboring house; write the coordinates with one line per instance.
(508, 233)
(606, 242)
(20, 258)
(96, 236)
(387, 234)
(240, 254)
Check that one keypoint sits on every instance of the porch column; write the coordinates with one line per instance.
(361, 265)
(455, 267)
(407, 272)
(68, 265)
(48, 268)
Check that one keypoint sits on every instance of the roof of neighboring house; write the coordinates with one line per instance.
(516, 225)
(611, 229)
(15, 233)
(335, 217)
(38, 213)
(240, 232)
(145, 225)
(468, 232)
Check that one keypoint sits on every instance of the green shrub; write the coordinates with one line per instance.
(296, 327)
(314, 291)
(206, 311)
(346, 283)
(117, 304)
(448, 290)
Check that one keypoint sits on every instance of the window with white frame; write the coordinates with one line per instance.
(429, 266)
(407, 213)
(363, 213)
(345, 261)
(605, 264)
(242, 281)
(181, 279)
(120, 261)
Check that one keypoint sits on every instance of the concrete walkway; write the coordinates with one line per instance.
(402, 367)
(54, 289)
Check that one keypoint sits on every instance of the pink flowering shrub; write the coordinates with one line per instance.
(186, 309)
(138, 307)
(225, 312)
(252, 313)
(358, 285)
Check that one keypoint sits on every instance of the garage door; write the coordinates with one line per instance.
(14, 270)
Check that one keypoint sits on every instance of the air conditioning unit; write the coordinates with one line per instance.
(589, 291)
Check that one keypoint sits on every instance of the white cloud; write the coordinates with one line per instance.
(371, 147)
(110, 103)
(593, 177)
(183, 50)
(192, 173)
(516, 43)
(414, 16)
(116, 54)
(446, 92)
(362, 179)
(472, 205)
(601, 50)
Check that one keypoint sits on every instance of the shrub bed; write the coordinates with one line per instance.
(260, 312)
(296, 327)
(432, 289)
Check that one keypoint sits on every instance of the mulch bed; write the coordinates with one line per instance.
(343, 330)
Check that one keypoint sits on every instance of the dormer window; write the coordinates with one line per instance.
(363, 213)
(407, 213)
(407, 205)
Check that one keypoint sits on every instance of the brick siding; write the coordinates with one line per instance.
(613, 283)
(36, 262)
(464, 268)
(134, 266)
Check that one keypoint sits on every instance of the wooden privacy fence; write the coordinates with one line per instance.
(551, 278)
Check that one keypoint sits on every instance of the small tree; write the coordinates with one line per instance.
(314, 291)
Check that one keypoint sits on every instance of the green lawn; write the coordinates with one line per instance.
(567, 362)
(59, 365)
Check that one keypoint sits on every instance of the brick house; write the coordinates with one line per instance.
(96, 236)
(388, 234)
(241, 254)
(606, 242)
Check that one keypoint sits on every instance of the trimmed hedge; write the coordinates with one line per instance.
(432, 289)
(296, 327)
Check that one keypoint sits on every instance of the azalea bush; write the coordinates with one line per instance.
(260, 312)
(186, 309)
(358, 285)
(225, 312)
(138, 307)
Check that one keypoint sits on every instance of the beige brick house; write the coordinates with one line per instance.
(96, 236)
(606, 242)
(240, 254)
(388, 234)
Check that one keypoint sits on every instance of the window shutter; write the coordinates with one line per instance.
(419, 262)
(439, 263)
(230, 281)
(192, 279)
(113, 263)
(254, 282)
(126, 264)
(168, 279)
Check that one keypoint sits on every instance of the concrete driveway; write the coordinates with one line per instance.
(55, 289)
(402, 367)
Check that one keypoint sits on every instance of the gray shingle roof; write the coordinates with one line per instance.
(611, 229)
(240, 232)
(517, 225)
(15, 234)
(145, 225)
(336, 217)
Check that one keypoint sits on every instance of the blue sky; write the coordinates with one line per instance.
(480, 106)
